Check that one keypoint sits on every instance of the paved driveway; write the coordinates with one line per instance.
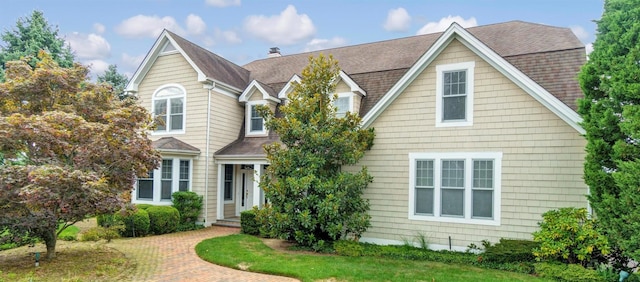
(172, 257)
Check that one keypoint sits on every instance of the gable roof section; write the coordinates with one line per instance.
(455, 31)
(208, 65)
(377, 66)
(173, 145)
(266, 91)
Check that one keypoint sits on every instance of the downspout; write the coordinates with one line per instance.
(206, 159)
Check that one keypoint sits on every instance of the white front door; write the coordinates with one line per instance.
(244, 193)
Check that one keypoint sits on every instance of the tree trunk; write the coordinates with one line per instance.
(50, 239)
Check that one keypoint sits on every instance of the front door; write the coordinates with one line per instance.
(244, 193)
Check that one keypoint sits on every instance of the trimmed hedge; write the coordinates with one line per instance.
(137, 224)
(567, 272)
(248, 223)
(510, 250)
(163, 219)
(144, 206)
(189, 204)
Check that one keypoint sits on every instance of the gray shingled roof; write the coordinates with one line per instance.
(377, 66)
(212, 65)
(171, 144)
(551, 56)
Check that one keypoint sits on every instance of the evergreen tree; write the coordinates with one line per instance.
(29, 37)
(117, 81)
(611, 113)
(313, 200)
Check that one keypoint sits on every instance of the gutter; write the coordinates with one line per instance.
(206, 158)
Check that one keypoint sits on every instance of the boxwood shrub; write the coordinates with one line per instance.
(163, 219)
(510, 250)
(136, 224)
(248, 223)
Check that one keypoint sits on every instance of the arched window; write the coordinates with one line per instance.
(169, 107)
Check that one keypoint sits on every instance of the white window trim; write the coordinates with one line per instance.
(157, 182)
(184, 109)
(440, 69)
(348, 95)
(263, 132)
(163, 52)
(468, 157)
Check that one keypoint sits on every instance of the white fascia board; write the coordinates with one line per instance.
(495, 60)
(283, 93)
(352, 84)
(248, 92)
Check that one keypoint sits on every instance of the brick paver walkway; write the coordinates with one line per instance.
(172, 257)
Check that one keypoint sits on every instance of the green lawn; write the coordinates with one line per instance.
(251, 254)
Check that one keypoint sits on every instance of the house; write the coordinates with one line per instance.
(476, 129)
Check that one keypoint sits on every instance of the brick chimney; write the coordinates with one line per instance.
(274, 52)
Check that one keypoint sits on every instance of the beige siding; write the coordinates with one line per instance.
(541, 165)
(226, 119)
(357, 100)
(342, 87)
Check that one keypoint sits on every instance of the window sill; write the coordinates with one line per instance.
(490, 222)
(453, 123)
(154, 133)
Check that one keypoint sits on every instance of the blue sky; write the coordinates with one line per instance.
(121, 32)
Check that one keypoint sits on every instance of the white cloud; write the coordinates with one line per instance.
(142, 26)
(321, 44)
(208, 41)
(287, 28)
(88, 46)
(195, 24)
(98, 67)
(131, 62)
(99, 28)
(580, 32)
(223, 3)
(397, 20)
(589, 48)
(444, 23)
(228, 36)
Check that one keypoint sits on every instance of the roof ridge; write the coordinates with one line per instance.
(203, 49)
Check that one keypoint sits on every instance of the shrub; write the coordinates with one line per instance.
(106, 220)
(163, 219)
(143, 206)
(567, 235)
(136, 224)
(248, 223)
(348, 248)
(509, 250)
(189, 204)
(267, 221)
(99, 232)
(566, 272)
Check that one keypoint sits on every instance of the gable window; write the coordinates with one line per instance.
(255, 123)
(455, 187)
(173, 175)
(228, 182)
(342, 104)
(454, 94)
(169, 109)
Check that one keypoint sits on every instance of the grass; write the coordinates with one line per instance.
(250, 253)
(75, 261)
(78, 262)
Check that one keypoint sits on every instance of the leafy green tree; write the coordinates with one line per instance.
(611, 113)
(117, 81)
(71, 149)
(30, 36)
(313, 200)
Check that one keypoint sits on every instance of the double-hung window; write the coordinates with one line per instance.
(455, 187)
(169, 109)
(454, 94)
(173, 175)
(255, 123)
(343, 104)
